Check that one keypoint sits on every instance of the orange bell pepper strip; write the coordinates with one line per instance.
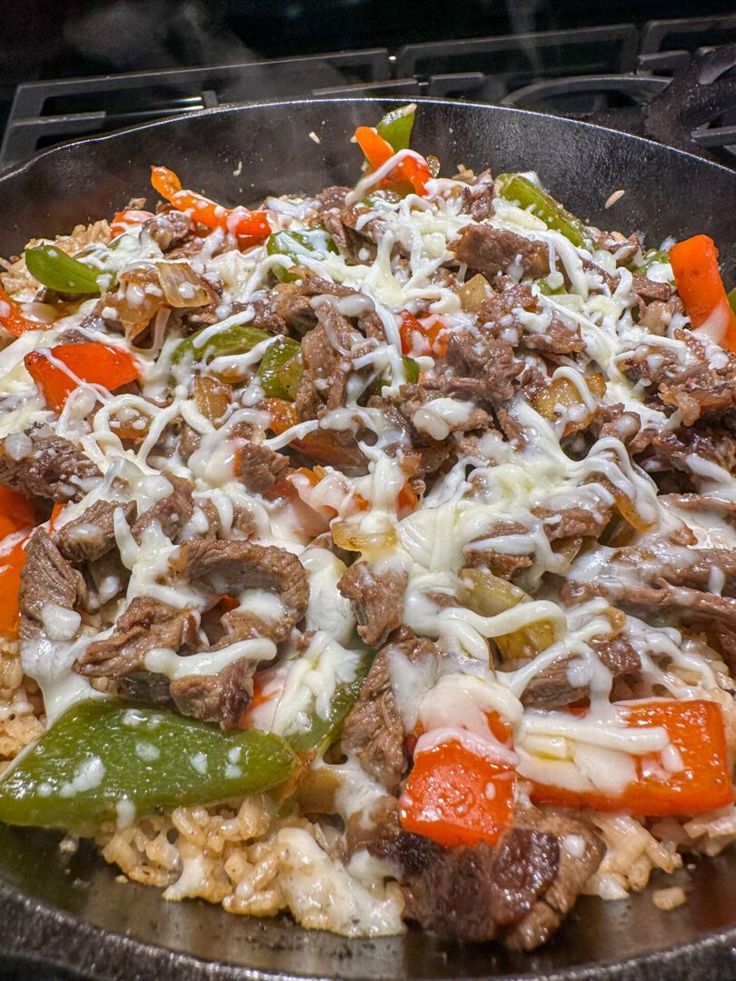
(12, 317)
(249, 227)
(697, 733)
(16, 513)
(126, 219)
(419, 337)
(377, 151)
(455, 796)
(12, 560)
(56, 370)
(695, 265)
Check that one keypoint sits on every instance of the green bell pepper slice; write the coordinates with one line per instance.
(296, 244)
(731, 297)
(60, 272)
(546, 290)
(651, 257)
(236, 339)
(396, 126)
(411, 373)
(105, 760)
(516, 188)
(321, 733)
(281, 369)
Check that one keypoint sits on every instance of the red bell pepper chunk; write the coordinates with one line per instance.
(12, 317)
(16, 512)
(12, 560)
(377, 151)
(420, 337)
(455, 797)
(56, 371)
(249, 227)
(126, 219)
(695, 265)
(697, 732)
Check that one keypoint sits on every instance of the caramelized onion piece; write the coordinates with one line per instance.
(212, 397)
(181, 286)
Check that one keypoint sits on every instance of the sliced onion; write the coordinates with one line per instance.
(181, 286)
(212, 397)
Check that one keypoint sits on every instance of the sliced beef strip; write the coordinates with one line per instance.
(649, 289)
(327, 352)
(483, 366)
(690, 604)
(697, 389)
(551, 688)
(661, 451)
(499, 310)
(332, 198)
(230, 567)
(260, 467)
(349, 241)
(477, 198)
(373, 730)
(46, 578)
(491, 251)
(50, 467)
(518, 892)
(171, 512)
(573, 522)
(291, 300)
(147, 624)
(169, 229)
(480, 552)
(219, 698)
(377, 600)
(91, 535)
(574, 869)
(657, 315)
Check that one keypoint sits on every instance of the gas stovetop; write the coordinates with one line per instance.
(672, 80)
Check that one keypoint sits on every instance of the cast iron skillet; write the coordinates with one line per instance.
(77, 915)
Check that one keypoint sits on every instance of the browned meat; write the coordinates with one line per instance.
(648, 289)
(491, 251)
(698, 390)
(551, 689)
(499, 311)
(219, 697)
(622, 249)
(415, 396)
(171, 512)
(656, 315)
(573, 871)
(229, 567)
(373, 730)
(326, 352)
(614, 420)
(349, 242)
(260, 467)
(46, 466)
(482, 365)
(91, 535)
(518, 892)
(147, 624)
(480, 553)
(663, 451)
(332, 198)
(477, 198)
(377, 600)
(573, 522)
(169, 229)
(291, 300)
(47, 578)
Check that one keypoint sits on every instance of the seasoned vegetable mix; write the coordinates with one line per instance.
(371, 555)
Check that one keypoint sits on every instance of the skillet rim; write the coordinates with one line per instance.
(46, 942)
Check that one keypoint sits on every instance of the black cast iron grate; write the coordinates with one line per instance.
(673, 80)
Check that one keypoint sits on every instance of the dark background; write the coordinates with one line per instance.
(42, 39)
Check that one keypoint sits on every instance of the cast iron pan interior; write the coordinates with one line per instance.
(77, 915)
